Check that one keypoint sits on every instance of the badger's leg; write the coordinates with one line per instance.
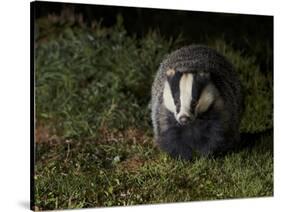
(206, 137)
(170, 141)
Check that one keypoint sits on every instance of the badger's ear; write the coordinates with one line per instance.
(205, 75)
(170, 72)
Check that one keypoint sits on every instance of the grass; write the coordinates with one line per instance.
(126, 169)
(94, 142)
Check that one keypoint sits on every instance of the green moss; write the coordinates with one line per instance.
(90, 78)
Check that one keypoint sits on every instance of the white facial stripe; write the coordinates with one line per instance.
(206, 98)
(168, 98)
(185, 94)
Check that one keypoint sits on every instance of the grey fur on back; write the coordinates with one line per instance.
(201, 58)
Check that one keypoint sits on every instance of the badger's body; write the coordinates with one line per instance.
(196, 103)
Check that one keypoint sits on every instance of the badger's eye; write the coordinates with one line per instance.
(177, 107)
(177, 103)
(193, 103)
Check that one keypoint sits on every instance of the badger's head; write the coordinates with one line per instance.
(187, 95)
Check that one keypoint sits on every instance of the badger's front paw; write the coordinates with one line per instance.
(175, 149)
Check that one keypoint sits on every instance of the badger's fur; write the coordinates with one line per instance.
(196, 103)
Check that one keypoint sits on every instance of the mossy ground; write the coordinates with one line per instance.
(94, 142)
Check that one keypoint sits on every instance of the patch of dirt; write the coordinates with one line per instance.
(130, 135)
(131, 164)
(44, 134)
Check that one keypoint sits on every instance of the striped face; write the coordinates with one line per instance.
(186, 94)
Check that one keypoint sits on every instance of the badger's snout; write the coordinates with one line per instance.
(184, 119)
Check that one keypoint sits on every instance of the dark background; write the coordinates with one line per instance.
(244, 32)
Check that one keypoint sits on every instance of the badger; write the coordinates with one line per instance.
(196, 103)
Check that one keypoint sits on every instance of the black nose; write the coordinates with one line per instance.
(184, 119)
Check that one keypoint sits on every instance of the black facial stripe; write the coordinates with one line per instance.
(195, 96)
(197, 88)
(199, 83)
(174, 82)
